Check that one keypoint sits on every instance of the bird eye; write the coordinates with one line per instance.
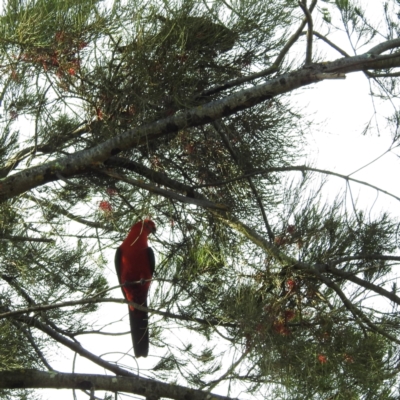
(150, 226)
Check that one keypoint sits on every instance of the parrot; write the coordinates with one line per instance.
(134, 263)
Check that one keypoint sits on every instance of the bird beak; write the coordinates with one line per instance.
(150, 227)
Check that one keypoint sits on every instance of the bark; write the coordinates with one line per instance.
(81, 161)
(32, 379)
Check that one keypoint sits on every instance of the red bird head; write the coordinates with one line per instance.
(138, 234)
(149, 226)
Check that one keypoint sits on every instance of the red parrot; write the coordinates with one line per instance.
(134, 262)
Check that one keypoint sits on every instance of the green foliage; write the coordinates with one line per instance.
(18, 394)
(34, 22)
(16, 350)
(342, 4)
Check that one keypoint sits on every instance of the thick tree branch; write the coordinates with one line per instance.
(32, 379)
(81, 161)
(382, 47)
(389, 75)
(363, 63)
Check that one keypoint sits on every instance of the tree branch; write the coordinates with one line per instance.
(333, 45)
(31, 340)
(388, 45)
(165, 193)
(74, 346)
(58, 209)
(350, 276)
(32, 379)
(358, 314)
(157, 177)
(81, 161)
(26, 239)
(274, 68)
(301, 168)
(289, 261)
(96, 300)
(365, 257)
(303, 6)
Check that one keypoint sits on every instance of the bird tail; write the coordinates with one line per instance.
(140, 333)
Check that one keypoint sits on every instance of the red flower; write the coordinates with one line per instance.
(155, 162)
(291, 229)
(131, 110)
(280, 328)
(322, 359)
(289, 315)
(112, 191)
(189, 148)
(59, 36)
(259, 327)
(99, 114)
(14, 75)
(348, 358)
(280, 241)
(13, 114)
(105, 206)
(182, 58)
(291, 283)
(71, 71)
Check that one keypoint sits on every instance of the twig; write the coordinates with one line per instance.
(358, 314)
(301, 168)
(220, 128)
(165, 193)
(56, 208)
(361, 282)
(26, 239)
(95, 300)
(333, 45)
(303, 6)
(274, 68)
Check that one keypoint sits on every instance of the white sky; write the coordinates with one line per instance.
(344, 108)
